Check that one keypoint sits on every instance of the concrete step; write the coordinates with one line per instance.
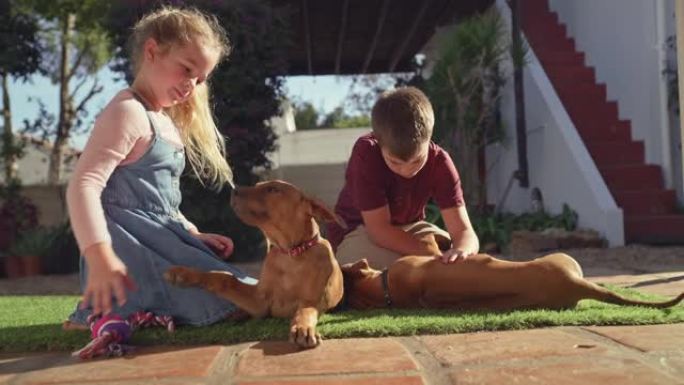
(602, 129)
(646, 202)
(636, 177)
(650, 210)
(616, 153)
(655, 229)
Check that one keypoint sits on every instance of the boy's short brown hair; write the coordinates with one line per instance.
(402, 120)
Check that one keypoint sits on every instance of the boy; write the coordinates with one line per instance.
(391, 175)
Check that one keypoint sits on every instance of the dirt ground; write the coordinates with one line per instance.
(632, 259)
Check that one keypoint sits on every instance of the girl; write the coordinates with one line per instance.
(124, 195)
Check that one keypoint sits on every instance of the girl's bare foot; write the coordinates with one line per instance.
(68, 325)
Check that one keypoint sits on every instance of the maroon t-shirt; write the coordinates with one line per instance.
(370, 184)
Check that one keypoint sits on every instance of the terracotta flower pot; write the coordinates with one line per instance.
(32, 265)
(14, 266)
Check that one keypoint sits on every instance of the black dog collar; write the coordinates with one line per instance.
(385, 288)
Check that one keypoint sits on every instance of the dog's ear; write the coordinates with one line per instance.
(353, 270)
(321, 212)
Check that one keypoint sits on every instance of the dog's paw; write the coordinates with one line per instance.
(181, 276)
(305, 336)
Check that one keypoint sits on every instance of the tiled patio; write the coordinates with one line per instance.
(566, 355)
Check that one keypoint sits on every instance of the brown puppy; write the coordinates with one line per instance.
(300, 277)
(554, 281)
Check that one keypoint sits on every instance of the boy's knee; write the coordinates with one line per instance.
(354, 249)
(430, 243)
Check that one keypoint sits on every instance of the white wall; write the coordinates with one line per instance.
(559, 164)
(315, 160)
(322, 181)
(322, 146)
(667, 13)
(33, 166)
(624, 40)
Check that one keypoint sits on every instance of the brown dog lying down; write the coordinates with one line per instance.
(300, 277)
(554, 281)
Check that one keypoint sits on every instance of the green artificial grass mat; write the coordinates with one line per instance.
(33, 323)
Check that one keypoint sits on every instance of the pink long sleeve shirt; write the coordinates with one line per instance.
(121, 135)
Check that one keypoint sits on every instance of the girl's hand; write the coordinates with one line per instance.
(454, 255)
(107, 278)
(222, 245)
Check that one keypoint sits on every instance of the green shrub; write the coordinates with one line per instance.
(34, 242)
(497, 228)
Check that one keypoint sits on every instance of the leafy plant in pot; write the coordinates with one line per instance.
(30, 247)
(17, 215)
(11, 263)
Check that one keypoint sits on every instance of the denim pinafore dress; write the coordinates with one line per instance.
(141, 202)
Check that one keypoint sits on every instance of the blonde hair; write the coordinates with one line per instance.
(204, 144)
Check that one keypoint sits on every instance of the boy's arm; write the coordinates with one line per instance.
(449, 197)
(382, 232)
(463, 237)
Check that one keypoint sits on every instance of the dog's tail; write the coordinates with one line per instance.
(599, 293)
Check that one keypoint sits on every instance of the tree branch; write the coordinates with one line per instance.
(78, 86)
(94, 90)
(77, 63)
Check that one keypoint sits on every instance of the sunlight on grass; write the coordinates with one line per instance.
(33, 323)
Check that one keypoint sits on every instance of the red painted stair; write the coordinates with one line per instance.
(650, 210)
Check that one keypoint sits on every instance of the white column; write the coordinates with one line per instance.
(679, 12)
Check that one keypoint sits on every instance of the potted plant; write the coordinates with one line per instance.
(12, 264)
(65, 255)
(30, 247)
(17, 215)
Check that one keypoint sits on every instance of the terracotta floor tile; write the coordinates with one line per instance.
(475, 348)
(148, 363)
(647, 337)
(671, 362)
(359, 355)
(14, 365)
(407, 380)
(567, 371)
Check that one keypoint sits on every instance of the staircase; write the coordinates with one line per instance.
(650, 210)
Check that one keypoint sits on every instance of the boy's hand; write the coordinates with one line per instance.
(454, 255)
(222, 245)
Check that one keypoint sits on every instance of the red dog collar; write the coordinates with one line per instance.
(301, 248)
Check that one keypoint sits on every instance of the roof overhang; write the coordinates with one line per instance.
(366, 36)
